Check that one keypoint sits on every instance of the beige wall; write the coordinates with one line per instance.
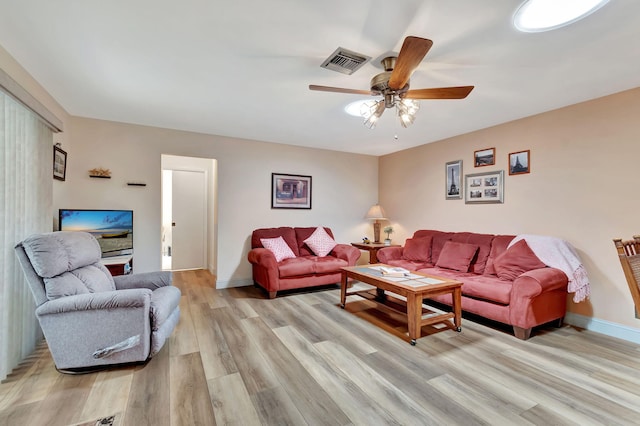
(341, 186)
(581, 188)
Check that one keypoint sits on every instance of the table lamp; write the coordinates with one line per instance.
(376, 213)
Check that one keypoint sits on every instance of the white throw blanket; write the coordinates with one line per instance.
(557, 253)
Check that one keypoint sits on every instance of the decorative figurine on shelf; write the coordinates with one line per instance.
(365, 240)
(388, 230)
(98, 172)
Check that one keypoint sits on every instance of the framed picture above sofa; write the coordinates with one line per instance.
(453, 180)
(484, 157)
(519, 163)
(290, 191)
(484, 188)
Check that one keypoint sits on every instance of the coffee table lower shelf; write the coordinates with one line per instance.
(412, 306)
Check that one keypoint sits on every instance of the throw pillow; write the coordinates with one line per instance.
(417, 249)
(515, 261)
(457, 256)
(279, 248)
(320, 242)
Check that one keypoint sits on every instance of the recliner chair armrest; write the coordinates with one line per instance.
(150, 280)
(133, 298)
(347, 252)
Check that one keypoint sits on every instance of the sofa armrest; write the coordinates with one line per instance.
(149, 280)
(133, 298)
(538, 281)
(347, 252)
(386, 254)
(263, 257)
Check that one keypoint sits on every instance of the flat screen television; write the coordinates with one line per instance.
(112, 228)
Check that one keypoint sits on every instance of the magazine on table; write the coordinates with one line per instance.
(393, 271)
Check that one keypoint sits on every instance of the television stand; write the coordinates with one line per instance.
(119, 265)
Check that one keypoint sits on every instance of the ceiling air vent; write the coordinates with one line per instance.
(345, 61)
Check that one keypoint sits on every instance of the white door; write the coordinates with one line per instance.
(188, 224)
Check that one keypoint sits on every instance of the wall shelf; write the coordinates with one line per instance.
(100, 177)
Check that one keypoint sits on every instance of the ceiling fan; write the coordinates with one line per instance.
(393, 85)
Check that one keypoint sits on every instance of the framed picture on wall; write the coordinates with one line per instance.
(519, 163)
(59, 163)
(484, 157)
(484, 188)
(290, 191)
(453, 180)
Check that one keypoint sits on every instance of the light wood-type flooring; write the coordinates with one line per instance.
(239, 358)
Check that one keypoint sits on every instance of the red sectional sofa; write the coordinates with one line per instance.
(528, 294)
(306, 269)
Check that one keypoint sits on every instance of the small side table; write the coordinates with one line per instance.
(372, 248)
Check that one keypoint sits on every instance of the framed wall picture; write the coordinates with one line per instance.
(290, 191)
(519, 162)
(453, 180)
(59, 163)
(484, 157)
(484, 188)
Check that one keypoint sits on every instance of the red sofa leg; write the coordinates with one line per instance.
(272, 294)
(522, 333)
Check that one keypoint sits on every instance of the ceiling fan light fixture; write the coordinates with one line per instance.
(546, 15)
(407, 109)
(372, 111)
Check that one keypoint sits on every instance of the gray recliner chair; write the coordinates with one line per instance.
(89, 318)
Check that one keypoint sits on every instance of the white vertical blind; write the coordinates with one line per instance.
(26, 197)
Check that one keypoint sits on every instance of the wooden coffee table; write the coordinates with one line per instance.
(414, 288)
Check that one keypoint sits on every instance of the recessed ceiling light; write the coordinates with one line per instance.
(544, 15)
(354, 107)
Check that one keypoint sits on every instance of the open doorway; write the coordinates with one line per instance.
(188, 213)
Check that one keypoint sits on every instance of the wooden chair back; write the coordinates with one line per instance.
(629, 255)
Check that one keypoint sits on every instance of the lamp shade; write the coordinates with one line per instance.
(376, 212)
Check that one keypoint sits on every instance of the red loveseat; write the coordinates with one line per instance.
(513, 288)
(306, 269)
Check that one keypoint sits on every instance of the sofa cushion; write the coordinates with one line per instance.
(417, 249)
(438, 243)
(320, 242)
(483, 241)
(301, 234)
(457, 256)
(329, 264)
(518, 259)
(278, 247)
(286, 232)
(487, 288)
(498, 246)
(297, 266)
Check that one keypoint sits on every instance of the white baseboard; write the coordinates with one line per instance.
(234, 283)
(604, 327)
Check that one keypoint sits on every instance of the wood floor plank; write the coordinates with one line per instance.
(231, 402)
(256, 372)
(353, 401)
(184, 339)
(109, 394)
(68, 391)
(149, 401)
(190, 400)
(310, 398)
(390, 398)
(275, 407)
(214, 351)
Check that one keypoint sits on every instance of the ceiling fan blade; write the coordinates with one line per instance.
(339, 90)
(439, 93)
(413, 51)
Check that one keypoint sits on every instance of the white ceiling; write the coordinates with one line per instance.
(242, 68)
